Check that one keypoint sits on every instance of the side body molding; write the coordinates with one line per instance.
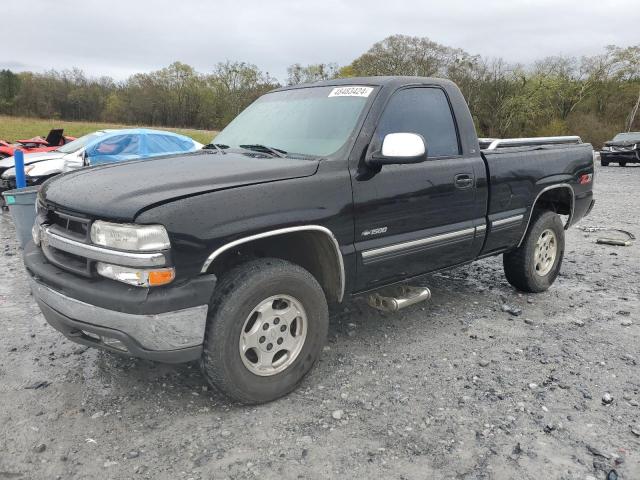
(533, 205)
(282, 231)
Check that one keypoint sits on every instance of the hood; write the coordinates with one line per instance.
(31, 158)
(119, 191)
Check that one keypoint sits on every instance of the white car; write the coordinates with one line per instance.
(103, 146)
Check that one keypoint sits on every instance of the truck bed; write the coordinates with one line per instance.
(518, 175)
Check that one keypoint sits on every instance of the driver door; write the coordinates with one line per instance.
(411, 219)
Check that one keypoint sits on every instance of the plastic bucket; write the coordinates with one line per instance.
(21, 203)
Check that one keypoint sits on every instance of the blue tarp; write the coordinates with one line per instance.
(135, 143)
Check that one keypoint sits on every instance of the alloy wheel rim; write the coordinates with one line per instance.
(273, 335)
(545, 252)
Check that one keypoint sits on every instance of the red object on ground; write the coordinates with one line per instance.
(54, 140)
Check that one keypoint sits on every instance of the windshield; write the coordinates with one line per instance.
(79, 143)
(627, 137)
(314, 121)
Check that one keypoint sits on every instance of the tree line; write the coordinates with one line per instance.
(591, 96)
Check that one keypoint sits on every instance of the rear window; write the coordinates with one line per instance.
(118, 145)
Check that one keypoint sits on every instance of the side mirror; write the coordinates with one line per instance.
(398, 148)
(85, 159)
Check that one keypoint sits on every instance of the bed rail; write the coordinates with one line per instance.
(495, 143)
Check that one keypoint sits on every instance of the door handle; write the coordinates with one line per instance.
(463, 180)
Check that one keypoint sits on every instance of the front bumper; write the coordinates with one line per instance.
(629, 156)
(166, 324)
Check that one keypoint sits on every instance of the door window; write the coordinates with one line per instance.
(114, 149)
(118, 145)
(425, 111)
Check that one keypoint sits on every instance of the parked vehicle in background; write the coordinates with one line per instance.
(312, 194)
(103, 146)
(54, 140)
(623, 149)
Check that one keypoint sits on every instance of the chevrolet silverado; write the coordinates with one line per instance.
(313, 194)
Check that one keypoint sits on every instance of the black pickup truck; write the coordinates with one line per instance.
(313, 194)
(623, 148)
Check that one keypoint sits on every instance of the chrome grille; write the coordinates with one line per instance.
(70, 226)
(74, 228)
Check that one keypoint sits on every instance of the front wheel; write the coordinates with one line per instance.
(604, 163)
(622, 164)
(268, 320)
(535, 264)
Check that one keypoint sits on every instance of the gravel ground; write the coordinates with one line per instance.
(480, 383)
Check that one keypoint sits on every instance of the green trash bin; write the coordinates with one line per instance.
(22, 205)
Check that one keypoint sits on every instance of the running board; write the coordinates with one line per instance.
(392, 299)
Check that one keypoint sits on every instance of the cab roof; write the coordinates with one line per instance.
(376, 81)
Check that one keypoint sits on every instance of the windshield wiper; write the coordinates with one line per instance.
(219, 147)
(276, 152)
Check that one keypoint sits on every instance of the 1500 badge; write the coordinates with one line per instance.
(374, 231)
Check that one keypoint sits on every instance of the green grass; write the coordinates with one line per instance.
(14, 128)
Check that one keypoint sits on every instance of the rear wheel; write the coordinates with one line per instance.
(267, 323)
(604, 163)
(622, 164)
(534, 266)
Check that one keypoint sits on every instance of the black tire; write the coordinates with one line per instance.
(622, 164)
(236, 295)
(604, 163)
(519, 264)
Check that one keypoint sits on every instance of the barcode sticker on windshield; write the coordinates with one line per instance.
(351, 92)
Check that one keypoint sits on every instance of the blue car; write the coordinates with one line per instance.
(103, 146)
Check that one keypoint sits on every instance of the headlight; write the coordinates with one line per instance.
(44, 168)
(39, 200)
(35, 233)
(11, 172)
(606, 149)
(137, 277)
(130, 237)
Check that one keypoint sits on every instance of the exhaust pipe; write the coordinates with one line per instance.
(398, 297)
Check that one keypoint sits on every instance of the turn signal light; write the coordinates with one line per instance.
(161, 277)
(137, 277)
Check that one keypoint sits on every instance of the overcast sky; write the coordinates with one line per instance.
(120, 37)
